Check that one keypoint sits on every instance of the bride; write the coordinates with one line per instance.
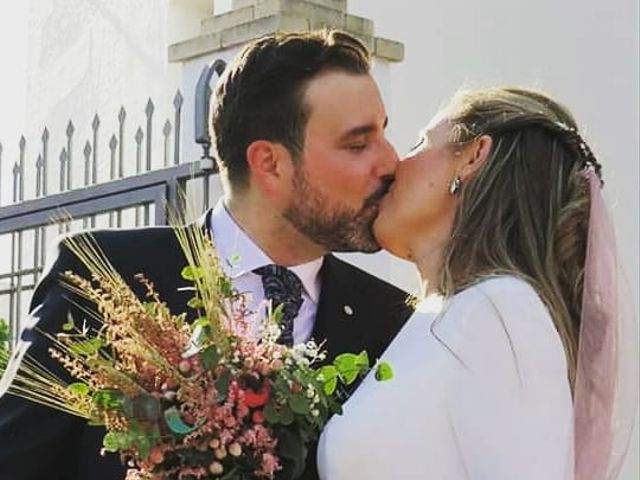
(508, 368)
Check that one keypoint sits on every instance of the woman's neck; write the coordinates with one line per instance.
(428, 255)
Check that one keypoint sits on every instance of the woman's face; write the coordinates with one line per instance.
(419, 206)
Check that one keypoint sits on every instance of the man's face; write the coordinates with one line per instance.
(346, 166)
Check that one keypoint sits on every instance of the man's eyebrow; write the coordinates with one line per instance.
(363, 130)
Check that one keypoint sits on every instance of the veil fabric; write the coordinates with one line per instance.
(606, 390)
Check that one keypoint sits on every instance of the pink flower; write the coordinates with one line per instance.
(269, 465)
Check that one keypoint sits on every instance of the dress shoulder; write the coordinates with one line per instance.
(501, 317)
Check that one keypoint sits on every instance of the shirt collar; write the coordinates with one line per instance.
(240, 255)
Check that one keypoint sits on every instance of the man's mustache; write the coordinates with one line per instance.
(376, 196)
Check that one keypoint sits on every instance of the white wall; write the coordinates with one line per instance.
(584, 53)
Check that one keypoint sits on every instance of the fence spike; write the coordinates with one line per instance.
(113, 144)
(63, 168)
(87, 163)
(149, 112)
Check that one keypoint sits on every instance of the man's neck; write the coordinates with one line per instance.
(270, 231)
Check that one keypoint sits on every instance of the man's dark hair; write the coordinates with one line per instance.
(261, 94)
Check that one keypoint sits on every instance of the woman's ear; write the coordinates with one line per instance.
(479, 153)
(269, 164)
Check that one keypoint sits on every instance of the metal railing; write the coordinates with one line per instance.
(147, 193)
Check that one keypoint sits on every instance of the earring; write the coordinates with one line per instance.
(455, 186)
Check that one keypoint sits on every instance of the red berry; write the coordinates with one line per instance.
(156, 456)
(259, 398)
(257, 416)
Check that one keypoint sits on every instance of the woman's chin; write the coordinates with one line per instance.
(386, 234)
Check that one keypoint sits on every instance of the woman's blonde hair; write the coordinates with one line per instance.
(526, 212)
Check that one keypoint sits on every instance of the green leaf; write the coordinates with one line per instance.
(145, 408)
(192, 273)
(222, 384)
(271, 415)
(68, 326)
(345, 361)
(144, 445)
(201, 322)
(151, 308)
(195, 303)
(109, 399)
(384, 372)
(225, 286)
(362, 360)
(292, 448)
(328, 377)
(87, 347)
(210, 357)
(4, 331)
(112, 441)
(176, 424)
(299, 404)
(79, 388)
(286, 415)
(276, 313)
(347, 365)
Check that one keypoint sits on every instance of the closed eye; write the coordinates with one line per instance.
(358, 147)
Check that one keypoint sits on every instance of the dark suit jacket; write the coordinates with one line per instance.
(38, 443)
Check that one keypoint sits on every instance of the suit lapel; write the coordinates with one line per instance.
(337, 320)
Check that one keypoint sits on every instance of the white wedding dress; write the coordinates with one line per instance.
(480, 392)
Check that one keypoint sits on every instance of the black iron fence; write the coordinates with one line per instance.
(32, 220)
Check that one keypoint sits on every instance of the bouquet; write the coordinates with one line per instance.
(189, 400)
(4, 345)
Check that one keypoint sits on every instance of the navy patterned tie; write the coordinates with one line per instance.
(282, 286)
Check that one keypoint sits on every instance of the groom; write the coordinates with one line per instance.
(299, 130)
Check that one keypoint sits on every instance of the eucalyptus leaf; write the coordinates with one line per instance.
(291, 447)
(192, 273)
(347, 365)
(112, 441)
(345, 361)
(384, 372)
(195, 303)
(299, 404)
(176, 424)
(87, 347)
(109, 399)
(362, 360)
(145, 408)
(328, 377)
(210, 357)
(271, 415)
(4, 331)
(226, 287)
(286, 415)
(79, 388)
(68, 326)
(330, 386)
(222, 384)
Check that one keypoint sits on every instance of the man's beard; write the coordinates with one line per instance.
(337, 228)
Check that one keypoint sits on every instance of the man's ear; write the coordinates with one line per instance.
(269, 165)
(478, 154)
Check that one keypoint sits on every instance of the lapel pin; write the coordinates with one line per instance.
(348, 310)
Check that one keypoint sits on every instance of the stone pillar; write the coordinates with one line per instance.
(251, 19)
(223, 35)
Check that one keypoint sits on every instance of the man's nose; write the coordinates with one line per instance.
(388, 159)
